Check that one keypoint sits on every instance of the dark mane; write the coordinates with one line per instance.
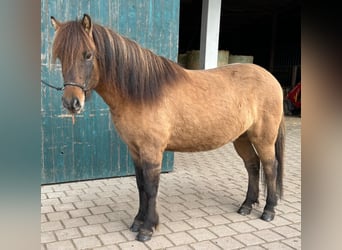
(136, 72)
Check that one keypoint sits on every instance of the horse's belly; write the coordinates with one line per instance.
(194, 147)
(195, 141)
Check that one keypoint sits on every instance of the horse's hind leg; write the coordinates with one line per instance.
(252, 163)
(266, 152)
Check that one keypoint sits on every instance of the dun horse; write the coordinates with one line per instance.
(156, 105)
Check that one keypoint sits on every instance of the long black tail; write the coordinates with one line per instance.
(279, 154)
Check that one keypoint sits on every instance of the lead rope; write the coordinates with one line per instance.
(59, 89)
(51, 86)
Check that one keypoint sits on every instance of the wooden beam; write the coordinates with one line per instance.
(210, 29)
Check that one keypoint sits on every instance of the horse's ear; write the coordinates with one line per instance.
(87, 24)
(55, 23)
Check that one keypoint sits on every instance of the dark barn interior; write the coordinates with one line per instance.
(270, 31)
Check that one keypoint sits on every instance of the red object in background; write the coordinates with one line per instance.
(295, 96)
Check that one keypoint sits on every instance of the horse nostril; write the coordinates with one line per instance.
(72, 104)
(76, 104)
(65, 103)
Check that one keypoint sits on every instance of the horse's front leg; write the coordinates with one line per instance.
(151, 175)
(147, 177)
(140, 217)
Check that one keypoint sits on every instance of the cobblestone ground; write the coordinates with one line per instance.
(197, 207)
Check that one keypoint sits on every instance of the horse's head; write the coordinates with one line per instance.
(75, 48)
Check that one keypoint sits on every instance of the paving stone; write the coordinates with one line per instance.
(89, 230)
(64, 207)
(46, 189)
(208, 202)
(114, 226)
(205, 245)
(50, 226)
(111, 247)
(192, 204)
(69, 233)
(195, 213)
(297, 226)
(181, 247)
(287, 231)
(69, 199)
(74, 193)
(87, 242)
(198, 222)
(96, 219)
(212, 210)
(104, 201)
(252, 248)
(177, 216)
(83, 212)
(216, 219)
(47, 209)
(175, 199)
(100, 210)
(277, 245)
(78, 185)
(61, 187)
(260, 224)
(112, 238)
(235, 217)
(134, 245)
(53, 201)
(293, 242)
(129, 235)
(293, 217)
(57, 216)
(268, 235)
(228, 243)
(177, 226)
(174, 207)
(61, 245)
(181, 238)
(118, 215)
(55, 195)
(46, 237)
(84, 204)
(162, 229)
(249, 239)
(88, 197)
(242, 227)
(92, 190)
(43, 196)
(43, 218)
(280, 221)
(222, 230)
(159, 242)
(74, 222)
(202, 234)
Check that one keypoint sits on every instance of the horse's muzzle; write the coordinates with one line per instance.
(73, 105)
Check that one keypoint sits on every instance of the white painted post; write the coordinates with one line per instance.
(210, 29)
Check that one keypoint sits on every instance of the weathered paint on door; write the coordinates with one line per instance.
(91, 148)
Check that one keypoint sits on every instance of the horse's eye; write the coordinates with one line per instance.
(88, 56)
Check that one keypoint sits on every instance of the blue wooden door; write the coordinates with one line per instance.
(91, 148)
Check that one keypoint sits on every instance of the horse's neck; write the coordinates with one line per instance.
(110, 96)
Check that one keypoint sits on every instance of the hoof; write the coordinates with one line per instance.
(136, 226)
(144, 235)
(243, 210)
(267, 216)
